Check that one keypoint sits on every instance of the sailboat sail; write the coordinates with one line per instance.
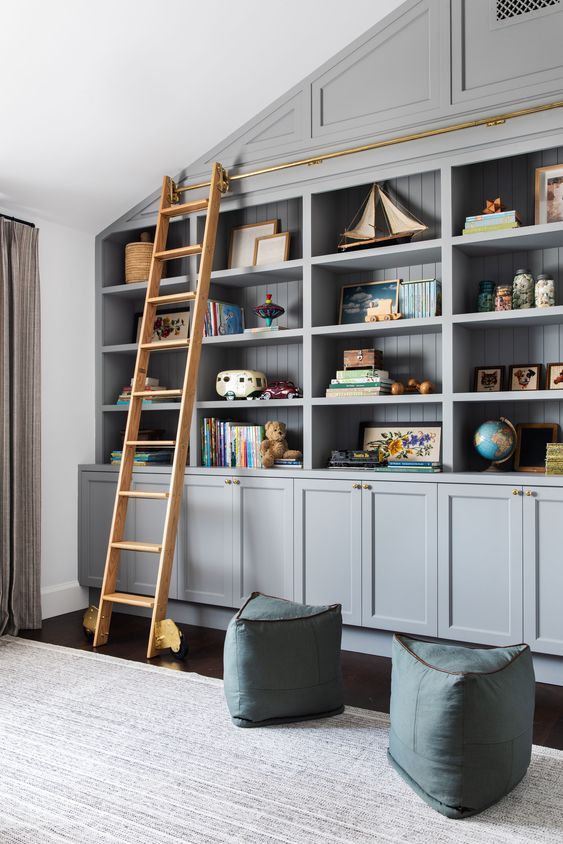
(399, 221)
(365, 229)
(396, 222)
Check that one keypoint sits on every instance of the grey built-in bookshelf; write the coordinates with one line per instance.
(463, 555)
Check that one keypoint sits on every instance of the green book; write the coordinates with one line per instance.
(341, 386)
(352, 374)
(498, 228)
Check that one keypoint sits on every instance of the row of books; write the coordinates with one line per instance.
(154, 457)
(225, 443)
(554, 459)
(223, 318)
(492, 222)
(419, 299)
(359, 382)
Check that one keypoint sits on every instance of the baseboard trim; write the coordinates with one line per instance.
(62, 598)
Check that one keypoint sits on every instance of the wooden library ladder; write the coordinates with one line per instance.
(162, 630)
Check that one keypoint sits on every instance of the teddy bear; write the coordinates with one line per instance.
(274, 447)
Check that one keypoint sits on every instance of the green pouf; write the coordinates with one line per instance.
(282, 662)
(461, 722)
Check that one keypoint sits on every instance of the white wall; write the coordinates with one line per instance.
(66, 266)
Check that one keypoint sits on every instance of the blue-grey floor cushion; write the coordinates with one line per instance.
(282, 662)
(461, 722)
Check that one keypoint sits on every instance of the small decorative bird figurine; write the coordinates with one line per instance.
(493, 206)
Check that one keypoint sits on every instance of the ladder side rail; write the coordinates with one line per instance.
(186, 408)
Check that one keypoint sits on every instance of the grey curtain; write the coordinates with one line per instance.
(20, 429)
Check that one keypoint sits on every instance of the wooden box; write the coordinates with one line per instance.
(363, 358)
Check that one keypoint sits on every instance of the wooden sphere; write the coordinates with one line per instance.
(412, 382)
(426, 387)
(397, 388)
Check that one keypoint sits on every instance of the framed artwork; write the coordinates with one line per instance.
(413, 441)
(554, 377)
(356, 299)
(525, 376)
(549, 194)
(531, 442)
(271, 249)
(488, 379)
(168, 325)
(242, 242)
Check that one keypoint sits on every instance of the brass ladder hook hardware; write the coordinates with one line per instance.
(495, 120)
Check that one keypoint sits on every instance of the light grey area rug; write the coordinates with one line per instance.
(96, 749)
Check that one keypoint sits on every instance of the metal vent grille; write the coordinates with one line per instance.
(513, 8)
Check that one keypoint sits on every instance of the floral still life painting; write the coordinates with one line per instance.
(413, 442)
(167, 326)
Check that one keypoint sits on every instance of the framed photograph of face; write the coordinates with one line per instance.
(554, 376)
(271, 249)
(168, 325)
(488, 379)
(531, 441)
(368, 301)
(549, 194)
(525, 376)
(413, 441)
(243, 242)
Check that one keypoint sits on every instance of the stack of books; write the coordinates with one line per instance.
(282, 463)
(359, 382)
(150, 384)
(226, 443)
(407, 466)
(419, 299)
(554, 459)
(223, 318)
(492, 222)
(264, 329)
(154, 457)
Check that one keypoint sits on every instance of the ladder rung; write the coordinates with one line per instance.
(181, 252)
(127, 493)
(132, 600)
(171, 298)
(186, 208)
(154, 393)
(129, 545)
(151, 443)
(164, 345)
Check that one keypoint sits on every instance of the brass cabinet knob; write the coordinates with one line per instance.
(529, 492)
(228, 481)
(515, 492)
(356, 486)
(236, 482)
(366, 486)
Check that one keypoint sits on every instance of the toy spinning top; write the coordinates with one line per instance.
(269, 310)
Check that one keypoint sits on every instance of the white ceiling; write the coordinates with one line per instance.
(100, 98)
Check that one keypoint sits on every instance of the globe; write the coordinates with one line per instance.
(495, 440)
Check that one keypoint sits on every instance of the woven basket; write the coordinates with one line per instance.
(138, 259)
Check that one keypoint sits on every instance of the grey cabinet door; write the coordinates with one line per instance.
(145, 523)
(327, 565)
(543, 569)
(480, 563)
(262, 537)
(206, 557)
(399, 557)
(96, 502)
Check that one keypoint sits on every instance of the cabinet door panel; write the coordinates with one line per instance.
(97, 499)
(399, 557)
(262, 537)
(480, 564)
(206, 563)
(328, 545)
(147, 520)
(543, 570)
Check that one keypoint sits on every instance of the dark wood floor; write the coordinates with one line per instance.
(366, 678)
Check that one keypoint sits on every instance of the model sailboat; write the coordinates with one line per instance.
(394, 224)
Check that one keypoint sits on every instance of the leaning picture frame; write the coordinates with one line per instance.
(549, 194)
(531, 441)
(168, 325)
(271, 249)
(357, 299)
(413, 442)
(243, 241)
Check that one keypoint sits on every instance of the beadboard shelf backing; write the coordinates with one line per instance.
(310, 345)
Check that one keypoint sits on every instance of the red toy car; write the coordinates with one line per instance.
(281, 390)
